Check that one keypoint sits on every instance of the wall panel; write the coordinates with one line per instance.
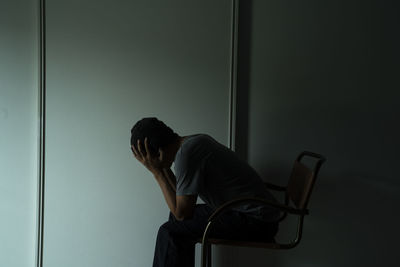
(18, 131)
(110, 63)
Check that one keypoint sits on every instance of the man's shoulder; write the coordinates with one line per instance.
(197, 140)
(191, 155)
(200, 136)
(194, 148)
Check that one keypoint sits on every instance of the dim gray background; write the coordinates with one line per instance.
(316, 75)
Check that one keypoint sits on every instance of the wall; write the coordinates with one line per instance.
(109, 65)
(323, 76)
(18, 131)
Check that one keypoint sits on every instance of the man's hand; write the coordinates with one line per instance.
(181, 206)
(154, 164)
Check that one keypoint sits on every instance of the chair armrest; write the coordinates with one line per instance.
(238, 201)
(275, 187)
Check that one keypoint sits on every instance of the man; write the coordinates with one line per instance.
(202, 168)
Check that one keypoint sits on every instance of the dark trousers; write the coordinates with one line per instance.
(176, 240)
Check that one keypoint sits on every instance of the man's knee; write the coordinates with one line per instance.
(164, 231)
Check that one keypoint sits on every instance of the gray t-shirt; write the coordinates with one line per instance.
(216, 174)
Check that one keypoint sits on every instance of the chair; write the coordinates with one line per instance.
(297, 194)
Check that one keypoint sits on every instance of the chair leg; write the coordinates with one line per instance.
(208, 255)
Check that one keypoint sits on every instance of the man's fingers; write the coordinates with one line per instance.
(161, 154)
(140, 149)
(134, 151)
(146, 145)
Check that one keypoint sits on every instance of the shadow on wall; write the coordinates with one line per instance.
(355, 216)
(324, 78)
(353, 219)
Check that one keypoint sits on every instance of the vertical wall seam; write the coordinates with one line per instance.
(42, 127)
(233, 74)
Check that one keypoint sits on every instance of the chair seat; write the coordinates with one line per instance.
(258, 244)
(244, 243)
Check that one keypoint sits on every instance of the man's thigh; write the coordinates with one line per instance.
(229, 225)
(192, 228)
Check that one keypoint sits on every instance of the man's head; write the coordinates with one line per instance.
(158, 134)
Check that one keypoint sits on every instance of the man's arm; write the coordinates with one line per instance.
(171, 178)
(181, 206)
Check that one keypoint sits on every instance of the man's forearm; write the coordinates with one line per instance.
(170, 176)
(167, 182)
(182, 207)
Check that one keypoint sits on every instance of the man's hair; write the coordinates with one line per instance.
(158, 134)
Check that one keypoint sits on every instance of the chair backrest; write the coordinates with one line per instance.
(302, 179)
